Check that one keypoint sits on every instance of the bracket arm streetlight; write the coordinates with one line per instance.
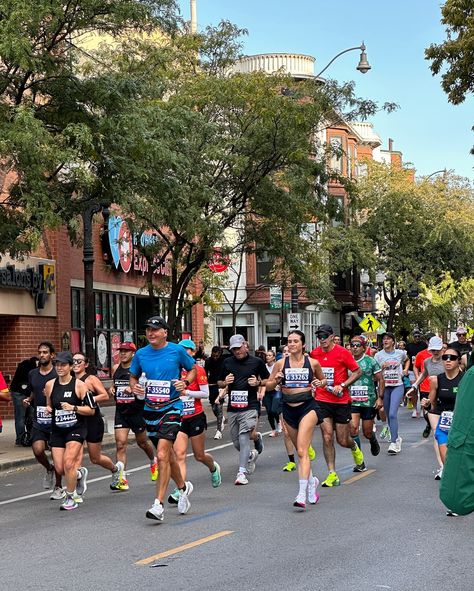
(363, 65)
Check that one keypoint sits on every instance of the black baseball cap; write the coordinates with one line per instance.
(324, 329)
(157, 322)
(389, 334)
(63, 357)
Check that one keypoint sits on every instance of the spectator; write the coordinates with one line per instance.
(19, 391)
(4, 395)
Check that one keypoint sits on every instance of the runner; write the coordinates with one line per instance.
(394, 363)
(272, 400)
(333, 398)
(462, 345)
(194, 425)
(95, 427)
(444, 388)
(213, 366)
(69, 402)
(412, 349)
(430, 366)
(467, 360)
(296, 375)
(365, 400)
(41, 432)
(158, 367)
(243, 374)
(129, 415)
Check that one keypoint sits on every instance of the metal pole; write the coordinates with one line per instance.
(88, 261)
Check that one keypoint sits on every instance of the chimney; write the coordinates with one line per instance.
(193, 16)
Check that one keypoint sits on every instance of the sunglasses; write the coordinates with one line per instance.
(356, 344)
(449, 357)
(323, 336)
(78, 361)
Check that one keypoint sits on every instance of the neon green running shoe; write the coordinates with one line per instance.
(289, 467)
(332, 479)
(358, 456)
(311, 453)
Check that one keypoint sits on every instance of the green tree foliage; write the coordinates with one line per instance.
(456, 54)
(419, 231)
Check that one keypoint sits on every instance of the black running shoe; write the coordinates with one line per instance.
(374, 447)
(427, 431)
(359, 468)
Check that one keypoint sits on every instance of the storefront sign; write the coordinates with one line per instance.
(39, 281)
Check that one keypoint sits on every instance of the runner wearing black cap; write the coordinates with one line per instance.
(334, 400)
(128, 415)
(155, 376)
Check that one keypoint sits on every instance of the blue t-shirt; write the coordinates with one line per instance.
(161, 366)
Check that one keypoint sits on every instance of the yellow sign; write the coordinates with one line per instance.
(369, 323)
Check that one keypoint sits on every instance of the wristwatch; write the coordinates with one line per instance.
(343, 385)
(187, 382)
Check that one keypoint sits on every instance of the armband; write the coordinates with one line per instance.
(89, 400)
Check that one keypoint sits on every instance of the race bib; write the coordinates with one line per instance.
(121, 395)
(43, 417)
(359, 394)
(239, 398)
(446, 420)
(158, 391)
(391, 377)
(65, 418)
(329, 375)
(296, 377)
(188, 406)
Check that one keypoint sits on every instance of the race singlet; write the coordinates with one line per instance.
(122, 396)
(188, 406)
(43, 417)
(359, 394)
(65, 418)
(296, 377)
(239, 398)
(158, 391)
(446, 420)
(329, 375)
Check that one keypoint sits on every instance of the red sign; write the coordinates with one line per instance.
(219, 262)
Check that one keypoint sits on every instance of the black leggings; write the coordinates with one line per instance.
(273, 417)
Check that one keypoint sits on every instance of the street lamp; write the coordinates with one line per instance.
(369, 288)
(444, 171)
(363, 66)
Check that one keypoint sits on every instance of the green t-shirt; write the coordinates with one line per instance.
(363, 390)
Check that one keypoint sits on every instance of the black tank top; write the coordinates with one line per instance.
(65, 419)
(121, 379)
(446, 392)
(97, 409)
(297, 377)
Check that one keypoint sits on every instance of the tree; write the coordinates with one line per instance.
(457, 52)
(418, 230)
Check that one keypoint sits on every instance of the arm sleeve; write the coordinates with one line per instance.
(203, 392)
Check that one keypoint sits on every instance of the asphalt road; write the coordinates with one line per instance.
(384, 530)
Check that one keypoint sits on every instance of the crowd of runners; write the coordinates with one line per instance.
(351, 392)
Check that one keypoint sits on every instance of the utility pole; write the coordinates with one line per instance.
(193, 17)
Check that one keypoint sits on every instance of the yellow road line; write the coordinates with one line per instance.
(184, 547)
(359, 476)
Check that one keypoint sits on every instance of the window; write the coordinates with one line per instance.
(264, 268)
(336, 163)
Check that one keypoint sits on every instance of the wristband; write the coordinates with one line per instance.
(187, 382)
(75, 408)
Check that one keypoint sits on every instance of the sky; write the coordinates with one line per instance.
(431, 133)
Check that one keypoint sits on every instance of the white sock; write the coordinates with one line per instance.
(303, 487)
(158, 502)
(79, 475)
(243, 470)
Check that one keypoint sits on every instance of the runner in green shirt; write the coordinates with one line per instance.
(365, 400)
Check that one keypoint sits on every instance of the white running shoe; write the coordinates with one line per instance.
(439, 473)
(300, 502)
(241, 479)
(81, 483)
(58, 493)
(313, 496)
(218, 435)
(398, 443)
(156, 512)
(251, 461)
(183, 501)
(415, 414)
(48, 479)
(392, 449)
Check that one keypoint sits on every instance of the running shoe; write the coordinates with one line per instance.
(156, 512)
(251, 461)
(332, 479)
(426, 431)
(174, 497)
(81, 484)
(410, 404)
(279, 428)
(357, 455)
(289, 467)
(216, 476)
(311, 453)
(259, 443)
(124, 484)
(78, 498)
(313, 496)
(439, 473)
(48, 479)
(241, 479)
(117, 476)
(68, 504)
(218, 434)
(415, 414)
(359, 468)
(300, 502)
(450, 513)
(385, 433)
(183, 501)
(273, 434)
(154, 470)
(392, 449)
(374, 447)
(58, 493)
(398, 443)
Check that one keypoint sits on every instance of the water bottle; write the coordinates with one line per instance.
(331, 389)
(143, 382)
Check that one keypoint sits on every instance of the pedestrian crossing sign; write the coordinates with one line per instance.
(369, 323)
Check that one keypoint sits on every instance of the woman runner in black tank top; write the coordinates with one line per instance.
(65, 398)
(298, 374)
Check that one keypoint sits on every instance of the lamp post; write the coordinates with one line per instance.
(372, 289)
(363, 66)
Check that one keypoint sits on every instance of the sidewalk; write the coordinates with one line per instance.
(13, 456)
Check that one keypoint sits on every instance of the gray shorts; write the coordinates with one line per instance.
(241, 422)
